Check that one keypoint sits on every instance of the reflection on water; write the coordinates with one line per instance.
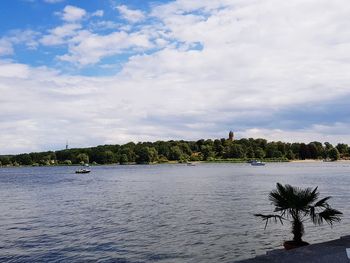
(160, 213)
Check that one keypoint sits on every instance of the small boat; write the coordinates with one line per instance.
(191, 164)
(257, 163)
(82, 171)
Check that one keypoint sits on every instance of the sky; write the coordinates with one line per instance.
(114, 71)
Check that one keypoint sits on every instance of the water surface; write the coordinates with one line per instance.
(155, 213)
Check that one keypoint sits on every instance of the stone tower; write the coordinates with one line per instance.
(231, 136)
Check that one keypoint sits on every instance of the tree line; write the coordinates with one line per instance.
(183, 151)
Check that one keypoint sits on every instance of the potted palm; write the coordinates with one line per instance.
(297, 205)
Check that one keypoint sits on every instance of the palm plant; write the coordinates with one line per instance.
(298, 205)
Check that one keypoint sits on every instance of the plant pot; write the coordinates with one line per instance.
(294, 244)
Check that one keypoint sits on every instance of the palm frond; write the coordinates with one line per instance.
(306, 197)
(271, 217)
(323, 202)
(313, 215)
(290, 197)
(329, 215)
(280, 197)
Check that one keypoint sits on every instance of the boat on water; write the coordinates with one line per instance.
(257, 163)
(191, 164)
(82, 171)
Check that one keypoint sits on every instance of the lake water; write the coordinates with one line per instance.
(155, 213)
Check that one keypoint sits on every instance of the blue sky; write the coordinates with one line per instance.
(110, 71)
(40, 16)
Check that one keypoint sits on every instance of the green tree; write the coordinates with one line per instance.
(67, 162)
(44, 162)
(82, 158)
(295, 147)
(250, 152)
(154, 154)
(235, 151)
(281, 147)
(304, 152)
(296, 205)
(108, 157)
(333, 153)
(277, 154)
(343, 149)
(143, 155)
(313, 150)
(262, 143)
(5, 160)
(163, 148)
(175, 153)
(218, 148)
(23, 159)
(290, 155)
(128, 149)
(328, 146)
(207, 152)
(185, 148)
(318, 148)
(123, 159)
(200, 143)
(271, 149)
(162, 159)
(259, 153)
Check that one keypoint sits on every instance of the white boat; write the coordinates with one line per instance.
(257, 163)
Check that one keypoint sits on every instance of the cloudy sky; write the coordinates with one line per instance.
(113, 71)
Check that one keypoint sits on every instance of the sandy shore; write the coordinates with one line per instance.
(306, 161)
(315, 161)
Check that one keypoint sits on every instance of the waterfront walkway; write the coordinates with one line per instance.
(331, 251)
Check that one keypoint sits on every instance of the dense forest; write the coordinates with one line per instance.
(219, 150)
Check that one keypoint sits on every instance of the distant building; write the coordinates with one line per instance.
(66, 145)
(231, 136)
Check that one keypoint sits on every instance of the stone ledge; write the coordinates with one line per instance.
(329, 251)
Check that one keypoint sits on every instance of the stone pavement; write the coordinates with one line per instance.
(328, 252)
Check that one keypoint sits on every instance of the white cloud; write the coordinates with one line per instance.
(105, 24)
(60, 34)
(130, 14)
(16, 37)
(13, 70)
(221, 65)
(73, 13)
(323, 133)
(88, 48)
(6, 47)
(98, 13)
(71, 27)
(27, 37)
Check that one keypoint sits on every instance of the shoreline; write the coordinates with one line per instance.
(223, 161)
(318, 161)
(307, 161)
